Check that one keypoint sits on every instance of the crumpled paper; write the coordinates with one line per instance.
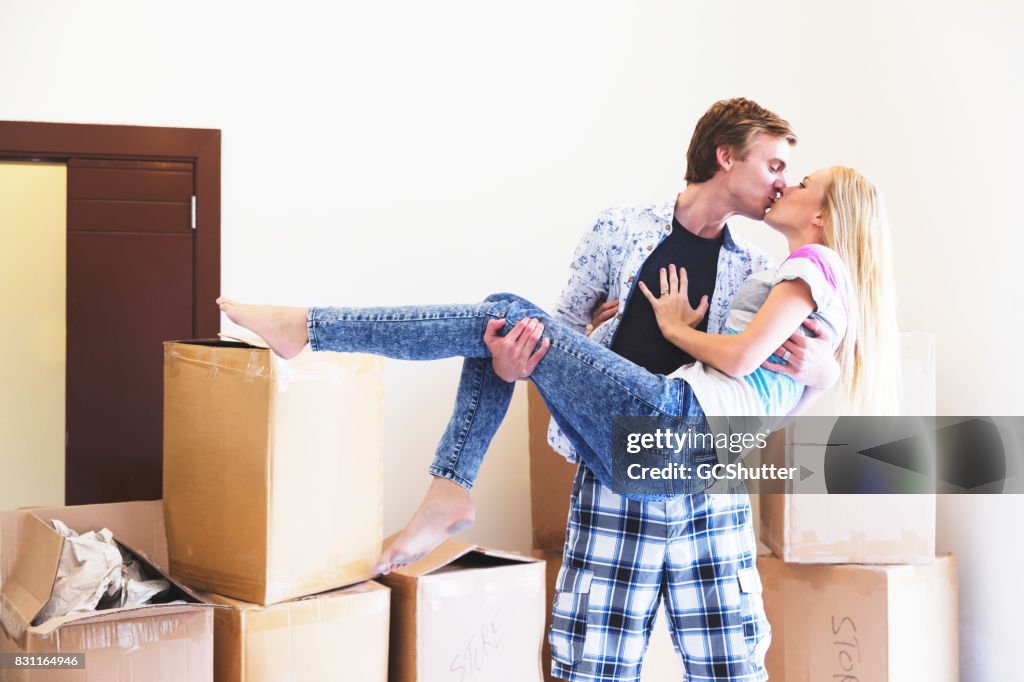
(95, 573)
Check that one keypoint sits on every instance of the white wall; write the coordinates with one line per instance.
(410, 152)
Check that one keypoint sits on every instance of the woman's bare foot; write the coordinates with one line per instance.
(283, 328)
(446, 510)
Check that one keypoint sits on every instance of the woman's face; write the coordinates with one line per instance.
(800, 205)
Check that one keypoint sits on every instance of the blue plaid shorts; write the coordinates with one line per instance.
(622, 557)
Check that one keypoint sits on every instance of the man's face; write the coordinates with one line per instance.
(755, 181)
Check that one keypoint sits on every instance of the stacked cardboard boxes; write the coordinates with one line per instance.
(339, 634)
(845, 591)
(273, 496)
(853, 588)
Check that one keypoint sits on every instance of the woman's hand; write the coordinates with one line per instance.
(672, 308)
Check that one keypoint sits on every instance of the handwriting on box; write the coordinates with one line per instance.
(847, 648)
(481, 647)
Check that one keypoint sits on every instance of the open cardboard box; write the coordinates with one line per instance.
(273, 469)
(137, 644)
(467, 613)
(337, 635)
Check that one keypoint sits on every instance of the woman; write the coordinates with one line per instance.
(838, 271)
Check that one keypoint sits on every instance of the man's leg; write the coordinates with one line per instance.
(608, 590)
(713, 593)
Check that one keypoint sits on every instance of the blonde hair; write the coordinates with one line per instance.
(855, 226)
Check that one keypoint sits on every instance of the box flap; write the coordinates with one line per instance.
(213, 598)
(138, 525)
(153, 566)
(220, 342)
(254, 341)
(447, 552)
(28, 587)
(117, 614)
(507, 555)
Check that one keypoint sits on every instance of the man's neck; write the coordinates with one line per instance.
(702, 211)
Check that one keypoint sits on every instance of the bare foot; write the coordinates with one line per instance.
(283, 328)
(446, 510)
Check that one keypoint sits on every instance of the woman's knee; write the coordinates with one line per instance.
(511, 298)
(515, 307)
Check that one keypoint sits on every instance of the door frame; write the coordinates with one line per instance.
(33, 141)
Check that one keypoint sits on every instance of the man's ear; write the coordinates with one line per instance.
(725, 157)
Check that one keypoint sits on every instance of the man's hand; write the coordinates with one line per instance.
(672, 308)
(811, 359)
(603, 311)
(515, 355)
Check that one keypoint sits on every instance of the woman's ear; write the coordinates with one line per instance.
(817, 222)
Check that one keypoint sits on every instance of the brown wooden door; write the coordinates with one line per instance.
(130, 282)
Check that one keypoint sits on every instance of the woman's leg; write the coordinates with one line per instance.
(583, 383)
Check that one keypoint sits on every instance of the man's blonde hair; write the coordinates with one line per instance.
(731, 123)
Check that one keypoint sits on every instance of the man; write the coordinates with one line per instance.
(622, 557)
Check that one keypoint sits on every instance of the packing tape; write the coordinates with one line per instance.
(133, 634)
(344, 607)
(859, 548)
(254, 369)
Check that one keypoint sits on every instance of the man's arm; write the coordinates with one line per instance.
(589, 282)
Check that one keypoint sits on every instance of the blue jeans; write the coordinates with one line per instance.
(583, 383)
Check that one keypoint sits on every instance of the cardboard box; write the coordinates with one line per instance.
(467, 613)
(137, 644)
(841, 528)
(551, 477)
(846, 623)
(661, 660)
(338, 635)
(273, 469)
(844, 529)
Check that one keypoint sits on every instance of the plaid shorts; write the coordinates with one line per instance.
(622, 557)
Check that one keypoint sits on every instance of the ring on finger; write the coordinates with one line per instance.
(664, 291)
(786, 356)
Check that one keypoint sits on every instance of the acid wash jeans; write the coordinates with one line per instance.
(583, 383)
